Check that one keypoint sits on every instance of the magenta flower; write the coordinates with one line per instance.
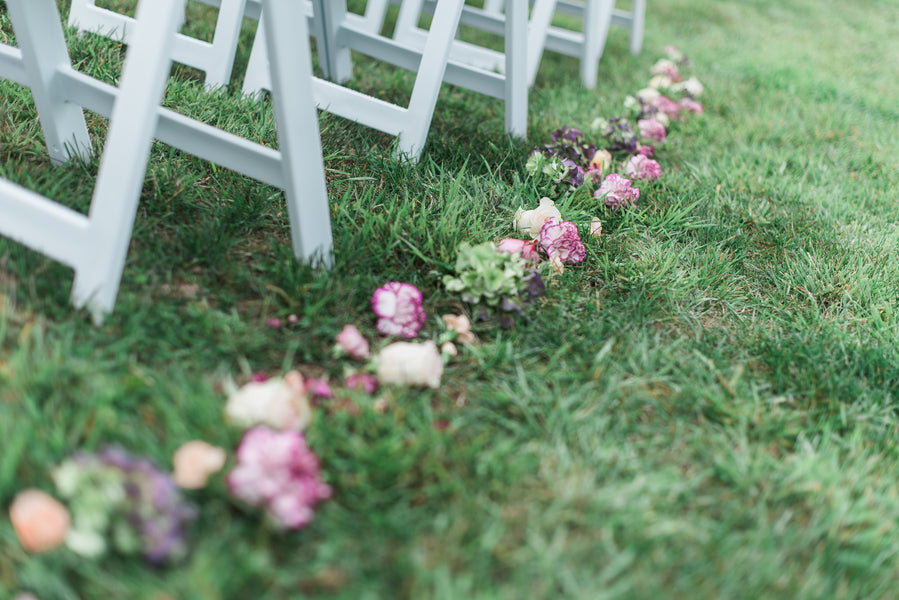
(399, 307)
(273, 322)
(319, 388)
(527, 249)
(616, 191)
(645, 150)
(351, 340)
(561, 241)
(642, 167)
(689, 105)
(277, 470)
(667, 106)
(366, 382)
(652, 130)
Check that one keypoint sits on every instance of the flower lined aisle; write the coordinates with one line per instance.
(112, 500)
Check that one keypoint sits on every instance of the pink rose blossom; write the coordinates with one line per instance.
(527, 250)
(616, 191)
(691, 106)
(277, 470)
(560, 239)
(666, 106)
(399, 307)
(353, 342)
(641, 167)
(366, 382)
(652, 130)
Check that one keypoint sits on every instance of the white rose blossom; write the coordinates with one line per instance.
(531, 221)
(277, 402)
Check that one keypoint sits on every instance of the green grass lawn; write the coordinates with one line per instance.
(705, 408)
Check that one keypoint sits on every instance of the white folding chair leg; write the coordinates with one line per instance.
(638, 20)
(123, 165)
(298, 135)
(42, 48)
(597, 18)
(538, 28)
(215, 59)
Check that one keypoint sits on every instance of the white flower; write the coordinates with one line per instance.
(661, 82)
(409, 363)
(276, 402)
(531, 221)
(648, 94)
(692, 87)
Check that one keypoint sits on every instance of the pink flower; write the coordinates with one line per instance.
(616, 191)
(364, 381)
(652, 130)
(527, 250)
(399, 307)
(40, 521)
(561, 241)
(666, 106)
(273, 322)
(318, 388)
(642, 167)
(277, 470)
(353, 342)
(645, 150)
(689, 105)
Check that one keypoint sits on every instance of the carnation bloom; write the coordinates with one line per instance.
(527, 250)
(40, 521)
(276, 402)
(689, 105)
(616, 191)
(643, 167)
(408, 363)
(561, 241)
(351, 340)
(666, 106)
(652, 130)
(691, 87)
(367, 382)
(277, 470)
(194, 462)
(531, 221)
(398, 306)
(667, 68)
(661, 82)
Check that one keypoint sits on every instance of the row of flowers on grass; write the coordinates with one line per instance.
(112, 498)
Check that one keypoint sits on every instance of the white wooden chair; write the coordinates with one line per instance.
(95, 245)
(428, 57)
(587, 45)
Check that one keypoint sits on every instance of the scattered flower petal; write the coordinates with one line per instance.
(596, 227)
(364, 381)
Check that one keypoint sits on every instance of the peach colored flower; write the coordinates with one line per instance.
(194, 462)
(462, 326)
(40, 521)
(596, 227)
(601, 161)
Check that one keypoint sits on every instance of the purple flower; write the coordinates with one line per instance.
(652, 130)
(560, 239)
(277, 470)
(399, 307)
(642, 167)
(616, 191)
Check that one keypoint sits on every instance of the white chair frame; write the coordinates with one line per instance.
(95, 245)
(428, 57)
